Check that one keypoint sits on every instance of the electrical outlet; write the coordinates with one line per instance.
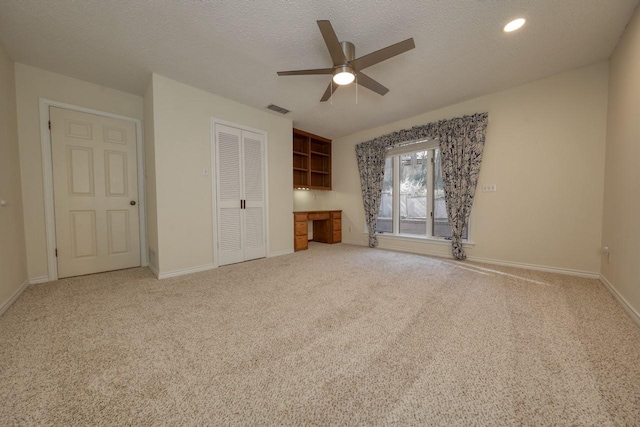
(488, 188)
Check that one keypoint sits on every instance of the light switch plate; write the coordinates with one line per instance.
(488, 188)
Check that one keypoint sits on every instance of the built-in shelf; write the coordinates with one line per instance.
(316, 153)
(311, 161)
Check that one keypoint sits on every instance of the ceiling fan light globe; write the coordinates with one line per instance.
(343, 75)
(343, 78)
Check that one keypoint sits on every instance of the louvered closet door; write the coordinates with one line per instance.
(253, 212)
(229, 194)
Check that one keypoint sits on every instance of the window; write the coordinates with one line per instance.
(413, 193)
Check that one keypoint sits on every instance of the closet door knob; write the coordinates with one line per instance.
(132, 203)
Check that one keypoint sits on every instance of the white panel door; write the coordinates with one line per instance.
(95, 192)
(229, 194)
(253, 180)
(240, 194)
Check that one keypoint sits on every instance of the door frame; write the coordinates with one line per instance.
(47, 177)
(213, 171)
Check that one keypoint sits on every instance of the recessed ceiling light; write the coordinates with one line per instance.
(514, 25)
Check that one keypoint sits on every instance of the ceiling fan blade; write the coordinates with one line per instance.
(332, 42)
(382, 54)
(306, 72)
(369, 83)
(327, 93)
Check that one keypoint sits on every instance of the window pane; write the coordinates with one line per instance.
(440, 219)
(413, 193)
(385, 214)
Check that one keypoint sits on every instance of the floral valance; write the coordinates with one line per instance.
(439, 129)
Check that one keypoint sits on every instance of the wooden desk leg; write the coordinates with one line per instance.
(300, 233)
(336, 227)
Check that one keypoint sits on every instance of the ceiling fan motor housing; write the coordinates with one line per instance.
(345, 74)
(349, 50)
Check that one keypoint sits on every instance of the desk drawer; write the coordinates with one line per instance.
(336, 215)
(300, 216)
(300, 228)
(337, 224)
(337, 236)
(319, 216)
(300, 243)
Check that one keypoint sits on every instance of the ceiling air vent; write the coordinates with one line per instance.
(277, 109)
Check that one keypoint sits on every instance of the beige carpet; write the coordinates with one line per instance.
(336, 335)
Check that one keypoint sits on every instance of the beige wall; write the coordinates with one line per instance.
(182, 130)
(308, 200)
(545, 152)
(13, 259)
(32, 84)
(621, 228)
(150, 177)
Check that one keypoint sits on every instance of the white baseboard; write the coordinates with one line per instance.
(280, 253)
(154, 270)
(36, 280)
(635, 316)
(567, 271)
(191, 270)
(14, 297)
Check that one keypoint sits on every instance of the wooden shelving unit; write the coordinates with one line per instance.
(300, 160)
(311, 161)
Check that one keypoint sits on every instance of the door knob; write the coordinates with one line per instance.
(132, 203)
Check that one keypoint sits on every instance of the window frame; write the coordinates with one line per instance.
(428, 145)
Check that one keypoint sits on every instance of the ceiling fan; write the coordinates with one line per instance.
(346, 67)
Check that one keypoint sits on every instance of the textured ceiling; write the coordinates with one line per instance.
(234, 48)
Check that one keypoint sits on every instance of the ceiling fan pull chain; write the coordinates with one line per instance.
(331, 97)
(356, 89)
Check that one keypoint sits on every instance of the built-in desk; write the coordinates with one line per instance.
(327, 228)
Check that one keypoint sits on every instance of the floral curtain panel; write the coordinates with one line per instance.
(461, 144)
(371, 158)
